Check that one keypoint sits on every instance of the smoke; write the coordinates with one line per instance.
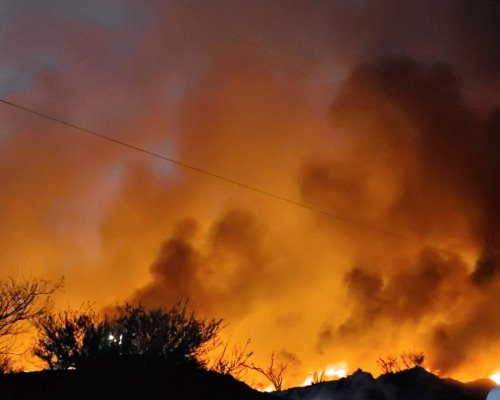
(423, 160)
(382, 113)
(230, 271)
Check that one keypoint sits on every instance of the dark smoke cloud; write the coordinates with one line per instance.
(406, 295)
(412, 117)
(479, 21)
(226, 275)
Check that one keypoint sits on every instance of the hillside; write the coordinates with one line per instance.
(412, 384)
(152, 381)
(124, 382)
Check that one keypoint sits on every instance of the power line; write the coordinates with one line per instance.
(272, 54)
(279, 58)
(223, 178)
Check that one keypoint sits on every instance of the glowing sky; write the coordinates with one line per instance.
(382, 112)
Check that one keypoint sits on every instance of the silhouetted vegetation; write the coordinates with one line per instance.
(6, 366)
(405, 360)
(318, 377)
(68, 338)
(21, 302)
(274, 372)
(75, 339)
(412, 359)
(233, 362)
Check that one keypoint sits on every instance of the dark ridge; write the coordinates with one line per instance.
(153, 381)
(484, 385)
(412, 384)
(157, 380)
(417, 383)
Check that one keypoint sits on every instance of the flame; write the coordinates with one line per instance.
(308, 381)
(336, 371)
(267, 389)
(496, 377)
(330, 372)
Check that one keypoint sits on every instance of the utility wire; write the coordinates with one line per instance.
(240, 35)
(280, 59)
(223, 178)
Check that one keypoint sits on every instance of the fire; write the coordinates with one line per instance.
(267, 389)
(336, 370)
(330, 372)
(496, 377)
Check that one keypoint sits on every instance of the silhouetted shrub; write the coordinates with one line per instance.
(76, 339)
(274, 372)
(71, 338)
(175, 335)
(233, 361)
(21, 302)
(6, 366)
(406, 360)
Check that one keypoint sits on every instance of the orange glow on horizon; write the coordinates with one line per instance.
(330, 372)
(495, 377)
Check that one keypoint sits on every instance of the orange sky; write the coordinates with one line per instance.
(381, 125)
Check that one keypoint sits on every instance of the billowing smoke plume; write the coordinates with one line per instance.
(383, 113)
(231, 273)
(417, 157)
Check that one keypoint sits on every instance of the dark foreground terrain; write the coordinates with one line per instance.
(411, 384)
(184, 383)
(126, 382)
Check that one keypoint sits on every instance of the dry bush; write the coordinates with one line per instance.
(22, 302)
(73, 339)
(406, 360)
(234, 362)
(274, 372)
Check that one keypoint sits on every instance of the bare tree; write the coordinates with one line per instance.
(22, 302)
(389, 364)
(412, 359)
(234, 362)
(406, 360)
(318, 377)
(274, 372)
